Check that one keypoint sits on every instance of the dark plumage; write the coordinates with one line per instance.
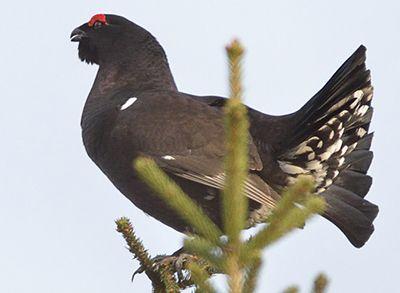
(134, 108)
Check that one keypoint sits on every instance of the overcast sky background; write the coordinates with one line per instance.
(57, 210)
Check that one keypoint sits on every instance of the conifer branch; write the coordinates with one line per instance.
(206, 250)
(234, 201)
(287, 215)
(320, 284)
(161, 279)
(292, 289)
(200, 277)
(173, 195)
(235, 53)
(236, 125)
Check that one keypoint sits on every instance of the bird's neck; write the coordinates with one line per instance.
(125, 70)
(137, 69)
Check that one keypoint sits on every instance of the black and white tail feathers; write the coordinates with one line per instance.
(331, 142)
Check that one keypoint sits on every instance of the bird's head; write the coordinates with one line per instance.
(106, 35)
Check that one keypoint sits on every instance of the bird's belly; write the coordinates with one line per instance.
(117, 164)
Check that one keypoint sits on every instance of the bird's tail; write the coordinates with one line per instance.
(331, 142)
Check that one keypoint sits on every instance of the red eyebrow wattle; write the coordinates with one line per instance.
(98, 17)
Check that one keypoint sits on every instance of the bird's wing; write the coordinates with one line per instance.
(186, 138)
(208, 171)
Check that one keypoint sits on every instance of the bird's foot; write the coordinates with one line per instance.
(175, 263)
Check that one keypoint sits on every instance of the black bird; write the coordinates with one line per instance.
(135, 109)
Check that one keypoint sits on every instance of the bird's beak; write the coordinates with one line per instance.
(78, 35)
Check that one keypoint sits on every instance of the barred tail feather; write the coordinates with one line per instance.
(331, 143)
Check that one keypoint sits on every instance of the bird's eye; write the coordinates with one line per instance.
(98, 24)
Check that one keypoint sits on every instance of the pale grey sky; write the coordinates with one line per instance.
(57, 210)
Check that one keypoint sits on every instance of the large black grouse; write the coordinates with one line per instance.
(134, 108)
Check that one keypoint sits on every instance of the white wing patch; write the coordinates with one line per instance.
(128, 103)
(168, 157)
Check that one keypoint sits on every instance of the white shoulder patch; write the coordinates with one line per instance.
(167, 157)
(128, 103)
